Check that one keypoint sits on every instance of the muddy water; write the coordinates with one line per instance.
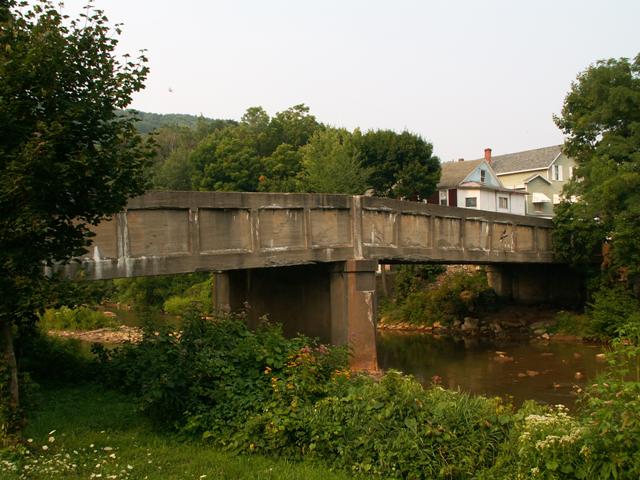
(547, 372)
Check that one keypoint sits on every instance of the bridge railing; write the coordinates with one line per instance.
(178, 232)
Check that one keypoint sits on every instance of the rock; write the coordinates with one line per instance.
(547, 354)
(513, 322)
(456, 323)
(436, 325)
(495, 327)
(109, 314)
(532, 373)
(601, 357)
(539, 331)
(470, 324)
(577, 355)
(578, 375)
(503, 359)
(545, 336)
(522, 375)
(542, 324)
(498, 352)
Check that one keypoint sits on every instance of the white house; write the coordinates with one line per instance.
(474, 184)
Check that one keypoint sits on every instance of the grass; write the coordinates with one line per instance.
(89, 432)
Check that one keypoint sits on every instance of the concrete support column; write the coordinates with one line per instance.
(221, 292)
(500, 279)
(354, 311)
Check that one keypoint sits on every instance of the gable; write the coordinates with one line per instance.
(490, 178)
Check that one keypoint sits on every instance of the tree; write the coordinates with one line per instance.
(402, 164)
(246, 157)
(67, 159)
(601, 118)
(331, 164)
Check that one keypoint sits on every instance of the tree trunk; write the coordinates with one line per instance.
(6, 340)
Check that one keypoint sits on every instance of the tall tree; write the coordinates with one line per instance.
(331, 164)
(246, 157)
(67, 159)
(601, 118)
(402, 164)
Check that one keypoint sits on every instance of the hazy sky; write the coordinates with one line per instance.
(463, 74)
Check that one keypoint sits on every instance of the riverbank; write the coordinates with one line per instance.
(538, 322)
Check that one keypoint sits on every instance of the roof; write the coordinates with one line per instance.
(453, 173)
(535, 175)
(538, 158)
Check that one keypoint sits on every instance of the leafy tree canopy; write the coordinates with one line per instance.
(601, 118)
(331, 164)
(402, 164)
(247, 157)
(67, 159)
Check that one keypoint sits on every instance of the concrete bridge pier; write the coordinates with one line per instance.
(334, 302)
(536, 283)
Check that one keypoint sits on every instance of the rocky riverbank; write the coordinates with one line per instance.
(536, 322)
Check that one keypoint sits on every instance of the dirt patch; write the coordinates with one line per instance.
(122, 334)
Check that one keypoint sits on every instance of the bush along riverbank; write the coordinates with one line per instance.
(255, 392)
(459, 301)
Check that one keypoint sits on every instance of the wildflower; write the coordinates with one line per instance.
(52, 439)
(44, 447)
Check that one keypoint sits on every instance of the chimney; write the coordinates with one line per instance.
(487, 155)
(461, 159)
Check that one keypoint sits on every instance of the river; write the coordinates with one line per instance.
(547, 372)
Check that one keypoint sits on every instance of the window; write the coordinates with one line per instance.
(483, 176)
(471, 202)
(556, 173)
(503, 203)
(443, 197)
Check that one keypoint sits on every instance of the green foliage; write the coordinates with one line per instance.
(257, 154)
(572, 323)
(211, 377)
(171, 168)
(198, 295)
(410, 279)
(402, 165)
(151, 122)
(79, 318)
(601, 119)
(67, 158)
(458, 295)
(153, 292)
(331, 164)
(612, 309)
(395, 428)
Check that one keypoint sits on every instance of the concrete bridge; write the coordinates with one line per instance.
(331, 246)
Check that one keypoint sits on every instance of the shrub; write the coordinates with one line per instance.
(78, 318)
(198, 294)
(396, 428)
(572, 323)
(611, 309)
(209, 378)
(458, 295)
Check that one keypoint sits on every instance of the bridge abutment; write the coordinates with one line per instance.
(536, 283)
(334, 302)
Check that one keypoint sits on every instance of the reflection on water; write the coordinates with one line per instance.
(545, 372)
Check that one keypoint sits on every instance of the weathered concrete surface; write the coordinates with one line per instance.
(178, 232)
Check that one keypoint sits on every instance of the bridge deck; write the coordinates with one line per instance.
(178, 232)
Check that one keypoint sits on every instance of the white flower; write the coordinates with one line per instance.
(44, 447)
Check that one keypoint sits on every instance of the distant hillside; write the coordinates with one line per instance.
(152, 121)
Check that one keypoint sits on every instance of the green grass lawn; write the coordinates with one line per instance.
(91, 433)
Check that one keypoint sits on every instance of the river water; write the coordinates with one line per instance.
(547, 372)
